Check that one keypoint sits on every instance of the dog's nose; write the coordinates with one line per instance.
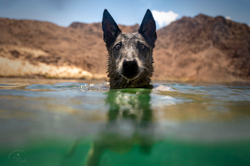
(130, 65)
(130, 68)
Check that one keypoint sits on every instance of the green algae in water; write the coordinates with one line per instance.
(168, 152)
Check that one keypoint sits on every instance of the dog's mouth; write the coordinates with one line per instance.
(130, 74)
(130, 78)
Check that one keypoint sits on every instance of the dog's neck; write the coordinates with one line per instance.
(118, 82)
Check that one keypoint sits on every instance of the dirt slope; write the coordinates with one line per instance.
(202, 48)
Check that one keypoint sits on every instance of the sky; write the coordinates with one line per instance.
(126, 12)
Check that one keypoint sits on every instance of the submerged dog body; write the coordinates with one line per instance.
(130, 62)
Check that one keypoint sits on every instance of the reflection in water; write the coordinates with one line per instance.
(128, 125)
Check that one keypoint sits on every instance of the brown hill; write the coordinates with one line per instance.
(196, 49)
(203, 48)
(79, 45)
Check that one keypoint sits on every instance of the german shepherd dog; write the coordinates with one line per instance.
(130, 62)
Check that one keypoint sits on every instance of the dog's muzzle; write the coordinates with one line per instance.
(130, 69)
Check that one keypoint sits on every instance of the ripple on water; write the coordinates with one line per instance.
(70, 86)
(219, 92)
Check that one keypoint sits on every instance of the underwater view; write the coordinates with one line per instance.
(53, 122)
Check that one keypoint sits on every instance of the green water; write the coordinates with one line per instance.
(77, 122)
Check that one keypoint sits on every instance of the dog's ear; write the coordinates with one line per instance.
(110, 28)
(148, 28)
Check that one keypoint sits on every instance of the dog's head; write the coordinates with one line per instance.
(130, 54)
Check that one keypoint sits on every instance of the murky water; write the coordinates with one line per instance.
(75, 122)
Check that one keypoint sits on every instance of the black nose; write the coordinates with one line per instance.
(130, 69)
(130, 65)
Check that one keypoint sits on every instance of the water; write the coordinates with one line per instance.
(74, 122)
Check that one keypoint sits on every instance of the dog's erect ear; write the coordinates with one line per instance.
(110, 28)
(148, 28)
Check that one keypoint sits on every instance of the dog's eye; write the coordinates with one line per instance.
(141, 46)
(118, 46)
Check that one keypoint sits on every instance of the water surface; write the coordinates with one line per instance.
(78, 122)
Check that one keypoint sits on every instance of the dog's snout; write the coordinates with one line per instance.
(130, 65)
(130, 68)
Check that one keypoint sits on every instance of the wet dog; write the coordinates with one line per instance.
(130, 62)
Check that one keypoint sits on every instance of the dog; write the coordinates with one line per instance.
(130, 60)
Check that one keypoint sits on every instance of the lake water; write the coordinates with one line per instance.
(77, 122)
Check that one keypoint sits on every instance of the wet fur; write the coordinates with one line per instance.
(129, 51)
